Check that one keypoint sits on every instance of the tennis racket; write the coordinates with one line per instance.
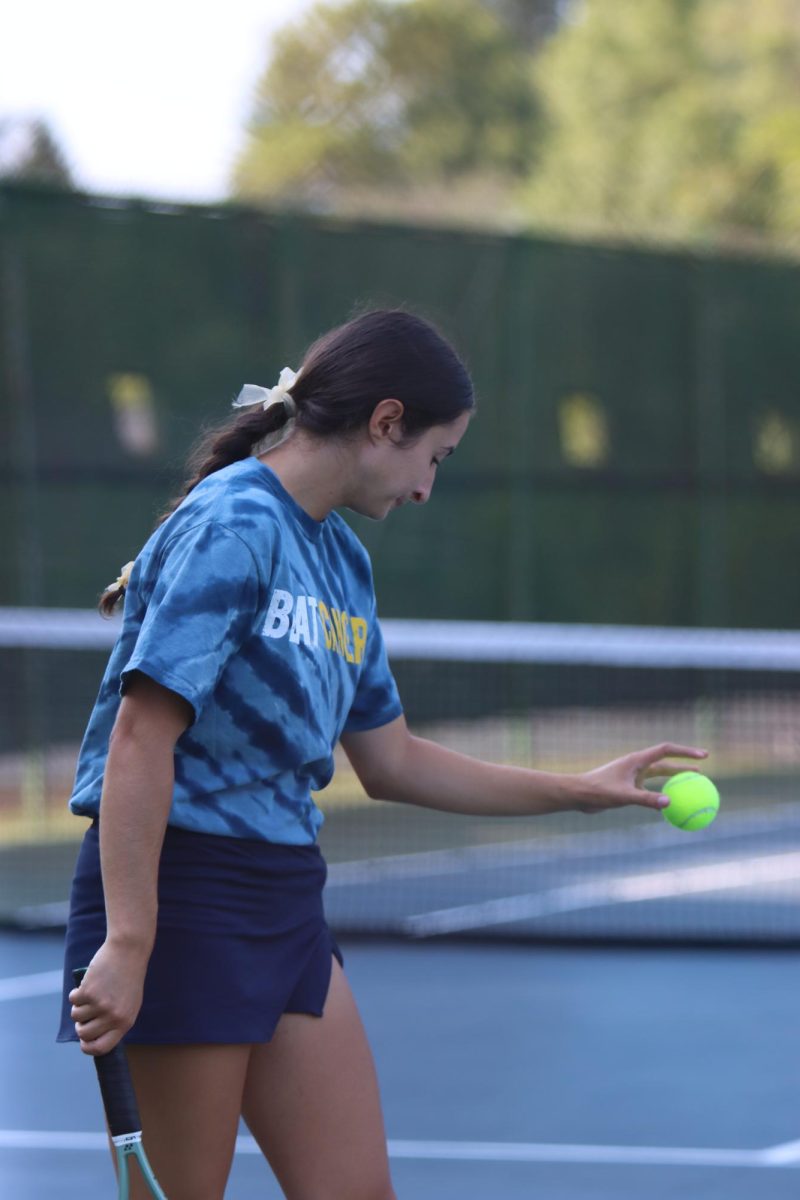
(122, 1115)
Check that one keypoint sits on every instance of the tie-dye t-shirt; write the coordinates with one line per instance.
(264, 620)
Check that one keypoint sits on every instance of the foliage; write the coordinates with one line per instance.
(531, 20)
(677, 118)
(29, 151)
(668, 119)
(392, 107)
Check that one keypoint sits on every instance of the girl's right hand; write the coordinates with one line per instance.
(107, 1002)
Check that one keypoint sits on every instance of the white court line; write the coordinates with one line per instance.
(787, 1155)
(21, 987)
(625, 889)
(51, 1139)
(783, 1156)
(612, 1155)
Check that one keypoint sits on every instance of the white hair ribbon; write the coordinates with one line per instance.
(123, 578)
(252, 394)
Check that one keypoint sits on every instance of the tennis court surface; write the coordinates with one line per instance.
(507, 1071)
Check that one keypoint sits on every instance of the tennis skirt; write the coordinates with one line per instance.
(241, 938)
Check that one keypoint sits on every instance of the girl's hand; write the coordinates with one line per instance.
(108, 1000)
(621, 782)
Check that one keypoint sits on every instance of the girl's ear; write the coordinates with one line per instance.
(386, 422)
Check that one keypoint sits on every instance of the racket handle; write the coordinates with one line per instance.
(116, 1088)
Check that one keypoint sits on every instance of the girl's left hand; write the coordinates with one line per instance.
(621, 782)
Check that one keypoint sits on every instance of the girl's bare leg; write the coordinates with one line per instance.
(311, 1102)
(190, 1100)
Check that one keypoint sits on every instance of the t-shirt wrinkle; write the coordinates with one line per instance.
(221, 525)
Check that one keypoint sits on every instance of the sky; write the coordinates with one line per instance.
(148, 98)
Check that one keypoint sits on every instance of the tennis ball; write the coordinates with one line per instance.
(693, 801)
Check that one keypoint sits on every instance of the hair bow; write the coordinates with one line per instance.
(251, 393)
(123, 578)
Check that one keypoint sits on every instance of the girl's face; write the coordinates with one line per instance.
(392, 473)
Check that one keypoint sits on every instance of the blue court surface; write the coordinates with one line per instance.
(507, 1071)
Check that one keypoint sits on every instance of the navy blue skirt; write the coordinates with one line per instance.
(241, 938)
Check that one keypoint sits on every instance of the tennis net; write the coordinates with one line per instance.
(559, 698)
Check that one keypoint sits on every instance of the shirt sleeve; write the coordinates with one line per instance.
(204, 601)
(377, 700)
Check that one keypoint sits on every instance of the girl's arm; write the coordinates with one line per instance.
(137, 793)
(392, 764)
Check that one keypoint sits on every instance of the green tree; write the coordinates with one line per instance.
(672, 118)
(531, 20)
(424, 108)
(29, 151)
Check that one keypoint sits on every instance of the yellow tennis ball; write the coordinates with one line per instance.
(693, 801)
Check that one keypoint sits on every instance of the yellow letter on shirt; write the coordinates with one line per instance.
(359, 629)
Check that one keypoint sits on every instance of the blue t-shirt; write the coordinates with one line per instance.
(265, 621)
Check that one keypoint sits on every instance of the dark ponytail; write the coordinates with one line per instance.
(386, 353)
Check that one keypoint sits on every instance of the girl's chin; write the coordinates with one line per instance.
(374, 512)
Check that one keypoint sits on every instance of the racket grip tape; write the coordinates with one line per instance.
(116, 1087)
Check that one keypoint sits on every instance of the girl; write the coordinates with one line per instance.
(249, 647)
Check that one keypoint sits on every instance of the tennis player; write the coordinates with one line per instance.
(249, 647)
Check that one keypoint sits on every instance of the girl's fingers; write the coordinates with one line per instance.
(103, 1044)
(88, 1031)
(668, 750)
(92, 1022)
(665, 770)
(647, 799)
(100, 1034)
(86, 1011)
